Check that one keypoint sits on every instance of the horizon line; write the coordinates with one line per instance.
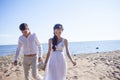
(70, 41)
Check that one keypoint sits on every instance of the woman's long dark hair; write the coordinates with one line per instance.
(55, 39)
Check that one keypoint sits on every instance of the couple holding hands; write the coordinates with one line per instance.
(55, 62)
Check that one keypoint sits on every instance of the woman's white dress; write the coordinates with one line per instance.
(56, 66)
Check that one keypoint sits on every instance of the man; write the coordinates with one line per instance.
(31, 45)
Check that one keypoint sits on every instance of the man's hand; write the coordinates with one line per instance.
(44, 68)
(40, 59)
(15, 63)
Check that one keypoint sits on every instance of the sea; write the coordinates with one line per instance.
(82, 47)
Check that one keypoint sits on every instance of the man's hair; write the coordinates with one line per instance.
(23, 26)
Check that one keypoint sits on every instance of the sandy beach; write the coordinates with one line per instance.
(93, 66)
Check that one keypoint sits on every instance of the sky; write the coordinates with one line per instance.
(83, 20)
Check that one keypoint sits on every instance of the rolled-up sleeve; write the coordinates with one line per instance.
(40, 49)
(18, 50)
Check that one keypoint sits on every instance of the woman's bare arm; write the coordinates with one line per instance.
(49, 50)
(67, 51)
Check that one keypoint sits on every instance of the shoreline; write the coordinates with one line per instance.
(90, 66)
(70, 53)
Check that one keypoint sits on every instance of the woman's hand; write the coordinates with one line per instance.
(74, 63)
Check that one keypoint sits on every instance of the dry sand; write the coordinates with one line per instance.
(93, 66)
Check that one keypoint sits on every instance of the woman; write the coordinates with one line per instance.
(55, 60)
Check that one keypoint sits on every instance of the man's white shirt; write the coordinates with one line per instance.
(30, 45)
